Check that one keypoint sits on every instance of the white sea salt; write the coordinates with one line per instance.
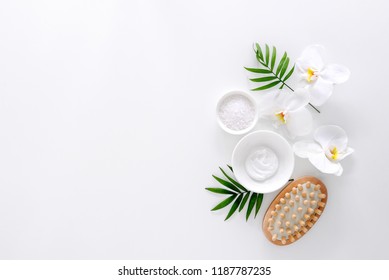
(236, 112)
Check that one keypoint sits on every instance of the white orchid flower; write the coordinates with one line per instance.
(318, 77)
(330, 148)
(287, 111)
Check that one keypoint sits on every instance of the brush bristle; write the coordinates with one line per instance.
(296, 212)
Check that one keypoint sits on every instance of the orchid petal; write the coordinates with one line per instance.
(304, 149)
(320, 91)
(321, 162)
(299, 122)
(311, 58)
(335, 73)
(267, 104)
(331, 135)
(292, 101)
(340, 171)
(271, 115)
(346, 153)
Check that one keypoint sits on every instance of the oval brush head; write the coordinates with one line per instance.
(295, 210)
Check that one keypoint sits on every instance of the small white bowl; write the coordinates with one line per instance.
(220, 102)
(273, 141)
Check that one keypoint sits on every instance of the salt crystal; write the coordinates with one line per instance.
(237, 112)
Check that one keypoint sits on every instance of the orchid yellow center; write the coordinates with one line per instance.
(281, 117)
(334, 153)
(311, 74)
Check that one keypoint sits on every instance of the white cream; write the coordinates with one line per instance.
(261, 164)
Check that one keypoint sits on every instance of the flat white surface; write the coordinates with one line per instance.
(108, 130)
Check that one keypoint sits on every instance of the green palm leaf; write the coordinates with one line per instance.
(233, 181)
(237, 194)
(226, 184)
(220, 190)
(269, 67)
(252, 201)
(273, 58)
(267, 86)
(267, 55)
(245, 198)
(263, 79)
(224, 203)
(258, 70)
(281, 63)
(258, 204)
(289, 74)
(284, 67)
(259, 51)
(234, 206)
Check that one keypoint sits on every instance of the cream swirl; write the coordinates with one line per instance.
(261, 164)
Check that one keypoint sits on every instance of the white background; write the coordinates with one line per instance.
(108, 131)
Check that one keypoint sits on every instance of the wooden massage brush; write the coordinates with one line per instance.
(295, 210)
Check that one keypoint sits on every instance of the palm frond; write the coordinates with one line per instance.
(269, 69)
(237, 195)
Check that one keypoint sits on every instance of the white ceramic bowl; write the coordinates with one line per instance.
(269, 139)
(220, 102)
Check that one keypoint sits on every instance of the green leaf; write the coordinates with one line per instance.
(267, 54)
(230, 167)
(264, 65)
(267, 86)
(258, 204)
(281, 63)
(226, 184)
(224, 203)
(245, 198)
(259, 51)
(220, 190)
(264, 79)
(273, 58)
(289, 74)
(234, 206)
(233, 181)
(258, 70)
(284, 67)
(252, 201)
(258, 58)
